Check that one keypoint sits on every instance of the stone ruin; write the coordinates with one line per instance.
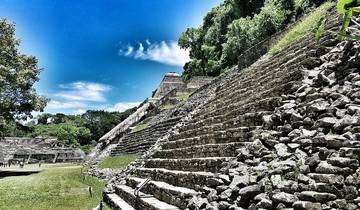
(34, 150)
(123, 139)
(173, 81)
(283, 133)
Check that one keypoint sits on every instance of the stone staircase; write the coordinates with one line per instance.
(188, 164)
(124, 125)
(140, 141)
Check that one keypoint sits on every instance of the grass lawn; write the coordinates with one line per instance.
(117, 161)
(58, 187)
(305, 25)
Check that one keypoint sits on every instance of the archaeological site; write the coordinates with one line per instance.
(258, 109)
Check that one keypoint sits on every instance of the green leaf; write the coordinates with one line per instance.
(341, 4)
(346, 22)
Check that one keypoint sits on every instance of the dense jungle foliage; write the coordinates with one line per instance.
(81, 130)
(234, 26)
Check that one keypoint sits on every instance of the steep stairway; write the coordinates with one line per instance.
(189, 163)
(140, 141)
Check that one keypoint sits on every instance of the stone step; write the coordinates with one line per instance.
(200, 151)
(253, 91)
(226, 112)
(144, 201)
(140, 141)
(265, 65)
(252, 96)
(210, 164)
(267, 80)
(253, 109)
(238, 134)
(135, 141)
(124, 145)
(250, 119)
(156, 127)
(188, 179)
(177, 196)
(264, 75)
(136, 150)
(117, 203)
(147, 131)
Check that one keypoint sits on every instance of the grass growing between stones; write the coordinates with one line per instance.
(167, 106)
(117, 161)
(182, 97)
(140, 127)
(303, 27)
(55, 188)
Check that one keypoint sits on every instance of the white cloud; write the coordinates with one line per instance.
(83, 91)
(79, 111)
(65, 105)
(129, 51)
(167, 53)
(122, 106)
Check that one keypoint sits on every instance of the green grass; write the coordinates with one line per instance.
(182, 97)
(57, 188)
(117, 161)
(140, 127)
(300, 29)
(167, 106)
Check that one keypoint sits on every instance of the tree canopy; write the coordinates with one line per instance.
(81, 129)
(18, 73)
(231, 28)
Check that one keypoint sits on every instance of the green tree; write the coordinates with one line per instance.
(18, 73)
(100, 122)
(67, 132)
(44, 118)
(233, 27)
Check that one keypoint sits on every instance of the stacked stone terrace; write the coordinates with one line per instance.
(140, 141)
(37, 149)
(159, 121)
(281, 134)
(170, 81)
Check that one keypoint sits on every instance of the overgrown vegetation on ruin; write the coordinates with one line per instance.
(182, 97)
(234, 26)
(117, 161)
(140, 126)
(303, 27)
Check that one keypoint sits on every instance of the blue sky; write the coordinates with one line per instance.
(104, 54)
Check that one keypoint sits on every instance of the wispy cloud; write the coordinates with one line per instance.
(83, 91)
(122, 106)
(163, 52)
(53, 104)
(79, 96)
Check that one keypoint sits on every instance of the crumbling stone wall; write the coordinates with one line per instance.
(37, 149)
(170, 81)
